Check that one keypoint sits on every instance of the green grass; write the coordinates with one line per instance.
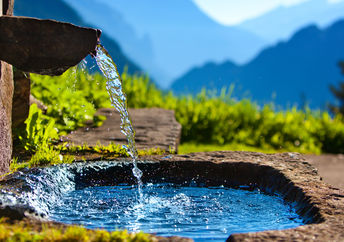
(27, 232)
(188, 147)
(220, 120)
(67, 154)
(207, 118)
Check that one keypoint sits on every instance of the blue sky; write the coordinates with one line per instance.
(231, 12)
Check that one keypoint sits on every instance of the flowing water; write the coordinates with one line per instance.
(119, 101)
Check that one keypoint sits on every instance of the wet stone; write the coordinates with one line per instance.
(154, 127)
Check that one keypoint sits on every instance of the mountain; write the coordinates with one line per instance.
(115, 25)
(282, 22)
(59, 10)
(288, 73)
(181, 35)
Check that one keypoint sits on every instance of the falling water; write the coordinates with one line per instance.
(119, 101)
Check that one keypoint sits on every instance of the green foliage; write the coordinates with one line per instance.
(72, 99)
(338, 93)
(48, 156)
(67, 154)
(15, 165)
(28, 232)
(206, 118)
(191, 147)
(112, 150)
(218, 119)
(40, 131)
(42, 157)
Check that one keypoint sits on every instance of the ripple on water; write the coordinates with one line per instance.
(196, 212)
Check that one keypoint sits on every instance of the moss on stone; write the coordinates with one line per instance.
(33, 231)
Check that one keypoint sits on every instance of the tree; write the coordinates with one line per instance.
(339, 93)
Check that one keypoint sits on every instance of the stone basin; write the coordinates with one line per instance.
(320, 205)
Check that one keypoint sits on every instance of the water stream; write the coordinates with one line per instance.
(119, 101)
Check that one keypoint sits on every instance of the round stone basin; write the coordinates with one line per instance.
(201, 196)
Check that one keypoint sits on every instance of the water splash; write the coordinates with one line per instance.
(42, 189)
(200, 213)
(119, 101)
(83, 66)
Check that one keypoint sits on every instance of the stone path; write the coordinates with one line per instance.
(330, 168)
(155, 128)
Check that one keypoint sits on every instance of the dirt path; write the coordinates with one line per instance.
(330, 168)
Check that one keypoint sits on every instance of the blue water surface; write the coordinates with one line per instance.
(200, 213)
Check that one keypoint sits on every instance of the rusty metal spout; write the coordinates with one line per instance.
(45, 47)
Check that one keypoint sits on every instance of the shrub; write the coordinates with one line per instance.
(40, 130)
(72, 98)
(205, 118)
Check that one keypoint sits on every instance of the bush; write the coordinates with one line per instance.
(205, 118)
(40, 130)
(72, 98)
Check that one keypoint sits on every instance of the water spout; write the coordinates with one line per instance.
(45, 47)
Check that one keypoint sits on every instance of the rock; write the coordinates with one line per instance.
(45, 47)
(6, 94)
(39, 104)
(330, 166)
(8, 7)
(155, 128)
(14, 213)
(21, 98)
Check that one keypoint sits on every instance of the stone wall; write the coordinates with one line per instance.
(6, 94)
(21, 99)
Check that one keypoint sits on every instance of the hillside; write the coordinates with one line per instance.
(268, 26)
(59, 10)
(110, 20)
(182, 36)
(294, 72)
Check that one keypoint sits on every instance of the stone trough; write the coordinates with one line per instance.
(320, 205)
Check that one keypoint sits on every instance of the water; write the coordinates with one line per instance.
(168, 210)
(41, 189)
(118, 101)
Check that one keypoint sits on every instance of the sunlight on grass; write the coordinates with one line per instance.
(186, 148)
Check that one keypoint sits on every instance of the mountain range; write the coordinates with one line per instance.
(170, 36)
(59, 10)
(282, 22)
(296, 71)
(115, 25)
